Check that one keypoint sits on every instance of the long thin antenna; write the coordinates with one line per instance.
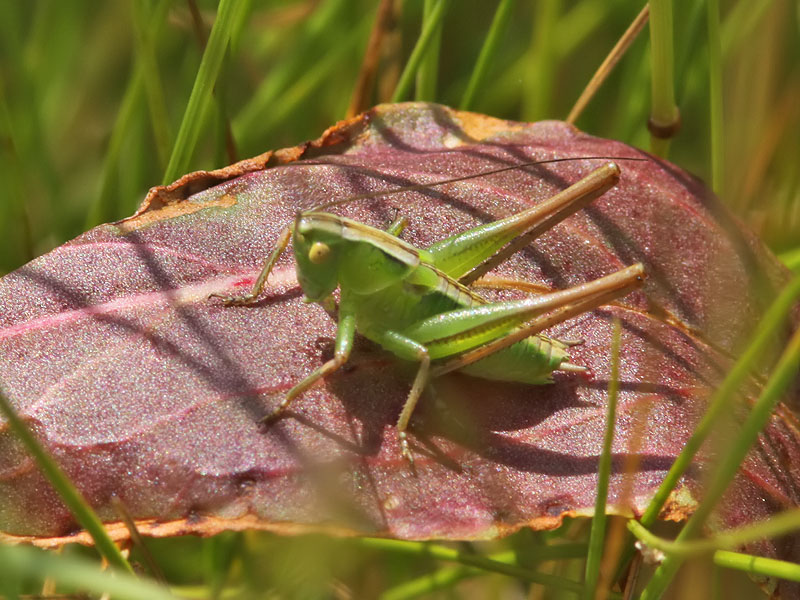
(422, 186)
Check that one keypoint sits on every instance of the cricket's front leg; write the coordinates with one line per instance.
(397, 226)
(408, 349)
(258, 286)
(344, 344)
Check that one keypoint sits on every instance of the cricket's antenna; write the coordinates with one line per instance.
(422, 186)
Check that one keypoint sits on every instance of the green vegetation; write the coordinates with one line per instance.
(101, 101)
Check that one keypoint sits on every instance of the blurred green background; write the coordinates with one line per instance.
(92, 96)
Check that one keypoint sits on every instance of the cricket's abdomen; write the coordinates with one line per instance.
(530, 361)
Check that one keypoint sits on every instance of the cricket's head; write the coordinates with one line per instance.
(331, 250)
(317, 251)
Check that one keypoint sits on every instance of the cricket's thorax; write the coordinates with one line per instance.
(421, 294)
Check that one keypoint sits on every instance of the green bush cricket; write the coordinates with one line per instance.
(417, 303)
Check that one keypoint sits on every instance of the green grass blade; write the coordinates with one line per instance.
(74, 500)
(13, 211)
(295, 66)
(474, 560)
(663, 113)
(428, 72)
(766, 331)
(541, 68)
(103, 207)
(782, 377)
(740, 22)
(757, 565)
(107, 205)
(488, 52)
(716, 119)
(438, 580)
(75, 573)
(778, 525)
(771, 323)
(145, 43)
(447, 577)
(225, 149)
(310, 81)
(429, 30)
(582, 20)
(791, 259)
(598, 530)
(199, 100)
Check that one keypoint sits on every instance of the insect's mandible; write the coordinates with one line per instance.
(419, 304)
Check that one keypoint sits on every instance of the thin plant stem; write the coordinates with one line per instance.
(473, 560)
(757, 565)
(608, 64)
(664, 115)
(716, 114)
(369, 66)
(778, 525)
(439, 579)
(598, 529)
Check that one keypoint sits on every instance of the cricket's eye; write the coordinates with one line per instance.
(318, 253)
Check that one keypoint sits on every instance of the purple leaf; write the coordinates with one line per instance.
(147, 390)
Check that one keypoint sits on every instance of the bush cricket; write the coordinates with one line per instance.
(418, 303)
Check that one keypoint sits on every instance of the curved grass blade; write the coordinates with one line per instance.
(77, 574)
(716, 118)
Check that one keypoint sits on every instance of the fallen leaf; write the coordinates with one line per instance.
(147, 390)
